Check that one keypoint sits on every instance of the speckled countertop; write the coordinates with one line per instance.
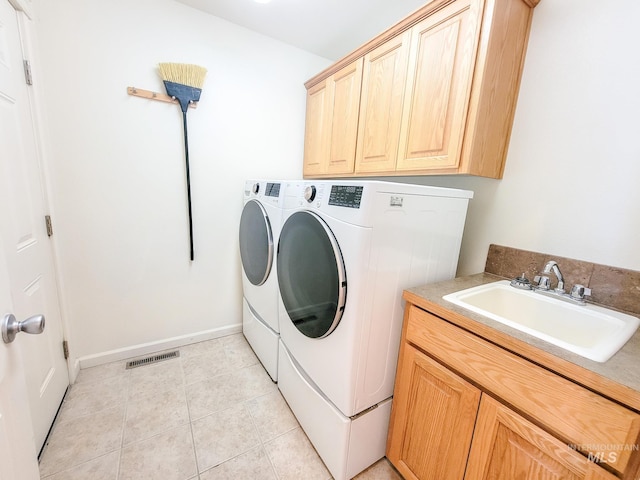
(623, 368)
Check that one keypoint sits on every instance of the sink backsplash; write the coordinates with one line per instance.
(611, 286)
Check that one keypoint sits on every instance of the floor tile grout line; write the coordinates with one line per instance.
(124, 425)
(193, 439)
(257, 429)
(119, 466)
(83, 463)
(193, 447)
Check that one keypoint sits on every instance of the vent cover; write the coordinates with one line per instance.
(153, 359)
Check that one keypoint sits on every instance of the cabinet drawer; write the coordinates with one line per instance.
(581, 418)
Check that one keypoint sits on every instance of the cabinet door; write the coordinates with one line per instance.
(345, 86)
(443, 50)
(506, 446)
(433, 419)
(332, 122)
(383, 84)
(317, 133)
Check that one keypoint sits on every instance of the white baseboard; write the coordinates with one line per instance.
(74, 369)
(153, 347)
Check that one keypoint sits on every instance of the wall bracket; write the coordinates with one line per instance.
(138, 92)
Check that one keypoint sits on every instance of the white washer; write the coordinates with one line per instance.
(258, 238)
(346, 252)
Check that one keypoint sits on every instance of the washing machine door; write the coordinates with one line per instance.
(311, 274)
(256, 242)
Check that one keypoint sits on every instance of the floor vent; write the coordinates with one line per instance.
(153, 359)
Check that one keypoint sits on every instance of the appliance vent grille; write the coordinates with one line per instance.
(153, 359)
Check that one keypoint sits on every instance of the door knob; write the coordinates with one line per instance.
(11, 327)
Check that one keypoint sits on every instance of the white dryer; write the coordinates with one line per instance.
(258, 238)
(346, 252)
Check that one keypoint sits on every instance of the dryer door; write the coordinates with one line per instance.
(256, 242)
(311, 274)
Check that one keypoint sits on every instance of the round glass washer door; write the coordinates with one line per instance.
(311, 274)
(256, 242)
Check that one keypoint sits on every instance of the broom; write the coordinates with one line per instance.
(183, 82)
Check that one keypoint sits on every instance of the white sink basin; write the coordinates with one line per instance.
(589, 330)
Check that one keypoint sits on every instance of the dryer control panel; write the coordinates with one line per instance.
(346, 196)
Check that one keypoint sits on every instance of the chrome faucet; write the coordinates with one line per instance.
(578, 291)
(543, 285)
(553, 267)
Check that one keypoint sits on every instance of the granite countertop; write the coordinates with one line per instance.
(623, 368)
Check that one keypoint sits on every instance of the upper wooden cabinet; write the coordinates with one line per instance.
(438, 88)
(437, 95)
(332, 122)
(384, 79)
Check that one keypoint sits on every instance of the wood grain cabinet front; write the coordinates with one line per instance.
(438, 95)
(465, 408)
(332, 123)
(506, 446)
(383, 83)
(443, 48)
(435, 413)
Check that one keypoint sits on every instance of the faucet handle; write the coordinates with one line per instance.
(579, 291)
(521, 282)
(543, 282)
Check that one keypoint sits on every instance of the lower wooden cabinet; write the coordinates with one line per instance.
(462, 410)
(506, 447)
(435, 413)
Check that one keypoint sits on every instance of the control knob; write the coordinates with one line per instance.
(256, 188)
(310, 193)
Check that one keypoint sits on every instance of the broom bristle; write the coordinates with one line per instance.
(184, 73)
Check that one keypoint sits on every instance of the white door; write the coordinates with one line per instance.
(27, 253)
(18, 458)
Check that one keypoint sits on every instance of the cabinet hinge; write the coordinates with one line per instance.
(47, 221)
(27, 72)
(65, 349)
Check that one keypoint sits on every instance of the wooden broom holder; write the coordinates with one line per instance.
(138, 92)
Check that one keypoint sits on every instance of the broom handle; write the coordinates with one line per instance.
(186, 156)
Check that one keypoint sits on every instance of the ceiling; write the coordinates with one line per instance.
(329, 28)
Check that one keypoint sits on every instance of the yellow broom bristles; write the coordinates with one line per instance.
(183, 73)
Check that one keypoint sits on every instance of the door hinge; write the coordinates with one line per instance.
(27, 72)
(65, 349)
(47, 221)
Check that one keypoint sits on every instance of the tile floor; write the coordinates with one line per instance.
(212, 413)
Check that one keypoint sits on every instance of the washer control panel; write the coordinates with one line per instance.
(272, 190)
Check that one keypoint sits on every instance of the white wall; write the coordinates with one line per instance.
(571, 186)
(116, 162)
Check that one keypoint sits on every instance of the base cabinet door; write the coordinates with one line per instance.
(433, 420)
(506, 446)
